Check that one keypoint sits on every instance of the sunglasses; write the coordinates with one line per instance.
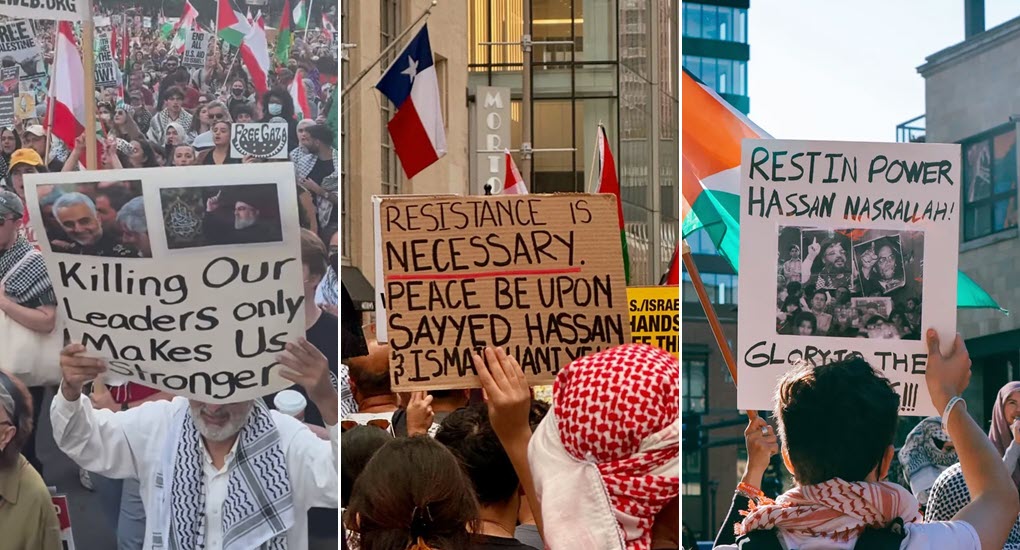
(378, 423)
(217, 116)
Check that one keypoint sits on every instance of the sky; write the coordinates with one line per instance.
(847, 71)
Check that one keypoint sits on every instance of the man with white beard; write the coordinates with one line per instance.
(230, 477)
(252, 220)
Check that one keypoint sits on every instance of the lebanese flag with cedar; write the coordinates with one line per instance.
(300, 96)
(255, 55)
(68, 97)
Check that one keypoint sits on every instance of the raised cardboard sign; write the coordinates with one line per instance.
(850, 247)
(539, 275)
(655, 316)
(198, 292)
(197, 50)
(263, 140)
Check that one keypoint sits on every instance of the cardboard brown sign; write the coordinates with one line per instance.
(539, 275)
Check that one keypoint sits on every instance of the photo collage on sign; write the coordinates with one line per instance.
(849, 283)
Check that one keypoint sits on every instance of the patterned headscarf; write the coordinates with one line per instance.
(921, 450)
(606, 458)
(999, 433)
(949, 494)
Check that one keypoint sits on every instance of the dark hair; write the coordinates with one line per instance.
(469, 435)
(359, 444)
(820, 291)
(284, 98)
(806, 316)
(873, 320)
(174, 91)
(17, 138)
(313, 253)
(794, 287)
(790, 300)
(22, 418)
(118, 196)
(242, 109)
(321, 133)
(148, 153)
(538, 411)
(849, 444)
(412, 488)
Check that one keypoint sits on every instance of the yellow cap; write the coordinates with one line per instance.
(25, 156)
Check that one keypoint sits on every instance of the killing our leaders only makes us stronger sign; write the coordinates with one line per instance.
(538, 275)
(193, 288)
(853, 247)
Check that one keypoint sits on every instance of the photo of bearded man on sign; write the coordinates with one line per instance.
(827, 264)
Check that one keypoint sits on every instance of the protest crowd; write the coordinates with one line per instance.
(170, 471)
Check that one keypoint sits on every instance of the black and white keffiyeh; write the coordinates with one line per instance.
(925, 446)
(304, 163)
(949, 495)
(161, 121)
(26, 282)
(259, 509)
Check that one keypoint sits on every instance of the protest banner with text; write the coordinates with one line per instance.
(199, 290)
(106, 65)
(18, 47)
(263, 140)
(861, 240)
(58, 10)
(197, 50)
(10, 88)
(538, 275)
(655, 316)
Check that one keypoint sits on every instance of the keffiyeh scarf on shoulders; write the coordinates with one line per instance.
(836, 509)
(31, 281)
(259, 508)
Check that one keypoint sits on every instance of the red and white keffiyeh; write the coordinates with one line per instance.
(837, 509)
(606, 458)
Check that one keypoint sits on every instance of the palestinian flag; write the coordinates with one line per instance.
(608, 183)
(710, 183)
(231, 25)
(300, 15)
(284, 34)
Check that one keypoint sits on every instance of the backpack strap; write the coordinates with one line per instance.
(888, 538)
(760, 540)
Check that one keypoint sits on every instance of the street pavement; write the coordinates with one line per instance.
(88, 524)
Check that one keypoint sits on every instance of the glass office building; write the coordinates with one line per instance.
(605, 72)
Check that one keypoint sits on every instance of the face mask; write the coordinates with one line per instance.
(237, 91)
(275, 109)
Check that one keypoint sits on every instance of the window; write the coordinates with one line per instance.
(715, 22)
(695, 384)
(726, 76)
(990, 181)
(720, 287)
(692, 475)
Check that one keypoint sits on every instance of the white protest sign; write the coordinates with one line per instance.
(200, 290)
(198, 48)
(19, 47)
(106, 66)
(861, 241)
(264, 140)
(146, 22)
(59, 10)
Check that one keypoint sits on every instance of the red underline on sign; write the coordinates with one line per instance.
(449, 276)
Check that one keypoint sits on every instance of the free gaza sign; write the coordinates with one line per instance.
(263, 140)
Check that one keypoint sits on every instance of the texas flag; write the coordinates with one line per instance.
(411, 84)
(513, 183)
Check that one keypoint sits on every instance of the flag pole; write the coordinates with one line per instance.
(308, 19)
(88, 53)
(49, 108)
(713, 319)
(393, 44)
(594, 162)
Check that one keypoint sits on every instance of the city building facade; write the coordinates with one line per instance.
(984, 120)
(594, 62)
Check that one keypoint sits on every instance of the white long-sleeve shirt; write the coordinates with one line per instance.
(130, 445)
